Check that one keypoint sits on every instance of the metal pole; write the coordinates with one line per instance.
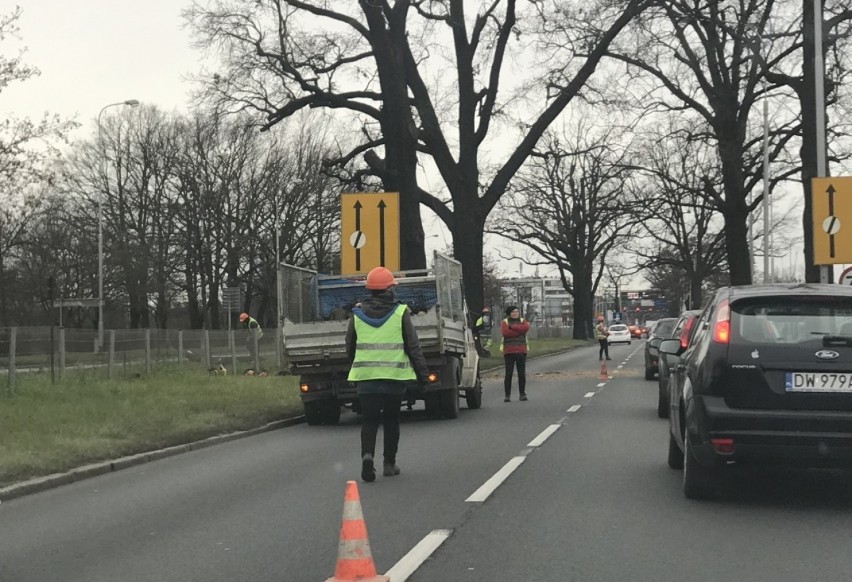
(132, 103)
(767, 207)
(825, 271)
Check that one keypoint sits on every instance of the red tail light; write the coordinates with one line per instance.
(724, 446)
(722, 323)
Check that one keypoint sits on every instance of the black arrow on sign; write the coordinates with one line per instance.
(358, 238)
(382, 207)
(831, 192)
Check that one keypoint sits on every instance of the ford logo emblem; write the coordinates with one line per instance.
(827, 355)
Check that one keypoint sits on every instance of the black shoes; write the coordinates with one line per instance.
(368, 469)
(523, 398)
(507, 399)
(390, 470)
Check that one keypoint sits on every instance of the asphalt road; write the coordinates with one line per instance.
(591, 499)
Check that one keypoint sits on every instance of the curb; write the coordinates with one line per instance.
(87, 471)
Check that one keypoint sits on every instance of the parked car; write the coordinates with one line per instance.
(662, 330)
(618, 333)
(681, 331)
(766, 378)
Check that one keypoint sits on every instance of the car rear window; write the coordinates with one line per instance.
(618, 328)
(665, 328)
(791, 320)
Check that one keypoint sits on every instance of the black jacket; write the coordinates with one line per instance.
(377, 306)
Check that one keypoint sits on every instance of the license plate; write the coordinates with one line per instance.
(818, 382)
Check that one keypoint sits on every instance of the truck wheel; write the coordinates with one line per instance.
(450, 403)
(313, 412)
(433, 404)
(449, 396)
(331, 414)
(474, 395)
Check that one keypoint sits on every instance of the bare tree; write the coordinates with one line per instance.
(698, 57)
(573, 206)
(376, 63)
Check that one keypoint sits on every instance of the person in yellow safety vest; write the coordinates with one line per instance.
(384, 349)
(601, 334)
(482, 332)
(254, 331)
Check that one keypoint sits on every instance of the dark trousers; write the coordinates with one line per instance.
(384, 409)
(511, 361)
(604, 349)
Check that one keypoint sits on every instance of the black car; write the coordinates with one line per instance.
(682, 331)
(767, 378)
(662, 330)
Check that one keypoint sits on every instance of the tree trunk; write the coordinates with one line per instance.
(583, 307)
(467, 249)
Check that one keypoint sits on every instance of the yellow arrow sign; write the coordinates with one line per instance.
(369, 238)
(831, 201)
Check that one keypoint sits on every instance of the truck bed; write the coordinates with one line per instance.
(324, 342)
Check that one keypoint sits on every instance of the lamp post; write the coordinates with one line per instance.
(131, 103)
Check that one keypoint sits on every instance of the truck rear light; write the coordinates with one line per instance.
(724, 446)
(722, 323)
(304, 387)
(432, 377)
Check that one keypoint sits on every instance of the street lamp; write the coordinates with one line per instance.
(131, 103)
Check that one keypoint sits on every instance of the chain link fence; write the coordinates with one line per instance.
(129, 353)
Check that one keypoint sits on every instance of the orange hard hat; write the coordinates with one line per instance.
(243, 316)
(380, 279)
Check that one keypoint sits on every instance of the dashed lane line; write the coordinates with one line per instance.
(411, 561)
(495, 481)
(544, 435)
(589, 394)
(574, 408)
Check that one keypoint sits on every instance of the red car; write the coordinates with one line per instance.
(636, 331)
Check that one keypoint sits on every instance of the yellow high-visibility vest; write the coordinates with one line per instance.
(380, 351)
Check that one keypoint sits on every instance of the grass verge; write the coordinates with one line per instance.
(46, 428)
(50, 428)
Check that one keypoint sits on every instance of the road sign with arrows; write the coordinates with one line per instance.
(831, 201)
(369, 232)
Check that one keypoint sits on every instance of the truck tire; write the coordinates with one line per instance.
(331, 412)
(450, 403)
(450, 394)
(473, 395)
(433, 404)
(313, 412)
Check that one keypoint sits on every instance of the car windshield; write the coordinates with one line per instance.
(792, 320)
(618, 328)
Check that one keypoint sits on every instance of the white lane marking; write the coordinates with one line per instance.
(417, 555)
(621, 366)
(589, 394)
(543, 436)
(574, 408)
(494, 482)
(602, 384)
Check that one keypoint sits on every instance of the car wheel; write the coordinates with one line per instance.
(662, 403)
(675, 454)
(473, 396)
(649, 373)
(699, 482)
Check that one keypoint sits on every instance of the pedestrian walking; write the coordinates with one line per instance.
(253, 336)
(385, 352)
(601, 334)
(514, 347)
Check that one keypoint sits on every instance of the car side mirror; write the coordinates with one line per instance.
(655, 342)
(670, 346)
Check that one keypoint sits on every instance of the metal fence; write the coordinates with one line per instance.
(131, 352)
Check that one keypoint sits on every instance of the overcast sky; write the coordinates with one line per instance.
(95, 52)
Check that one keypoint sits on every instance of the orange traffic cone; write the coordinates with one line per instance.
(354, 560)
(604, 375)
